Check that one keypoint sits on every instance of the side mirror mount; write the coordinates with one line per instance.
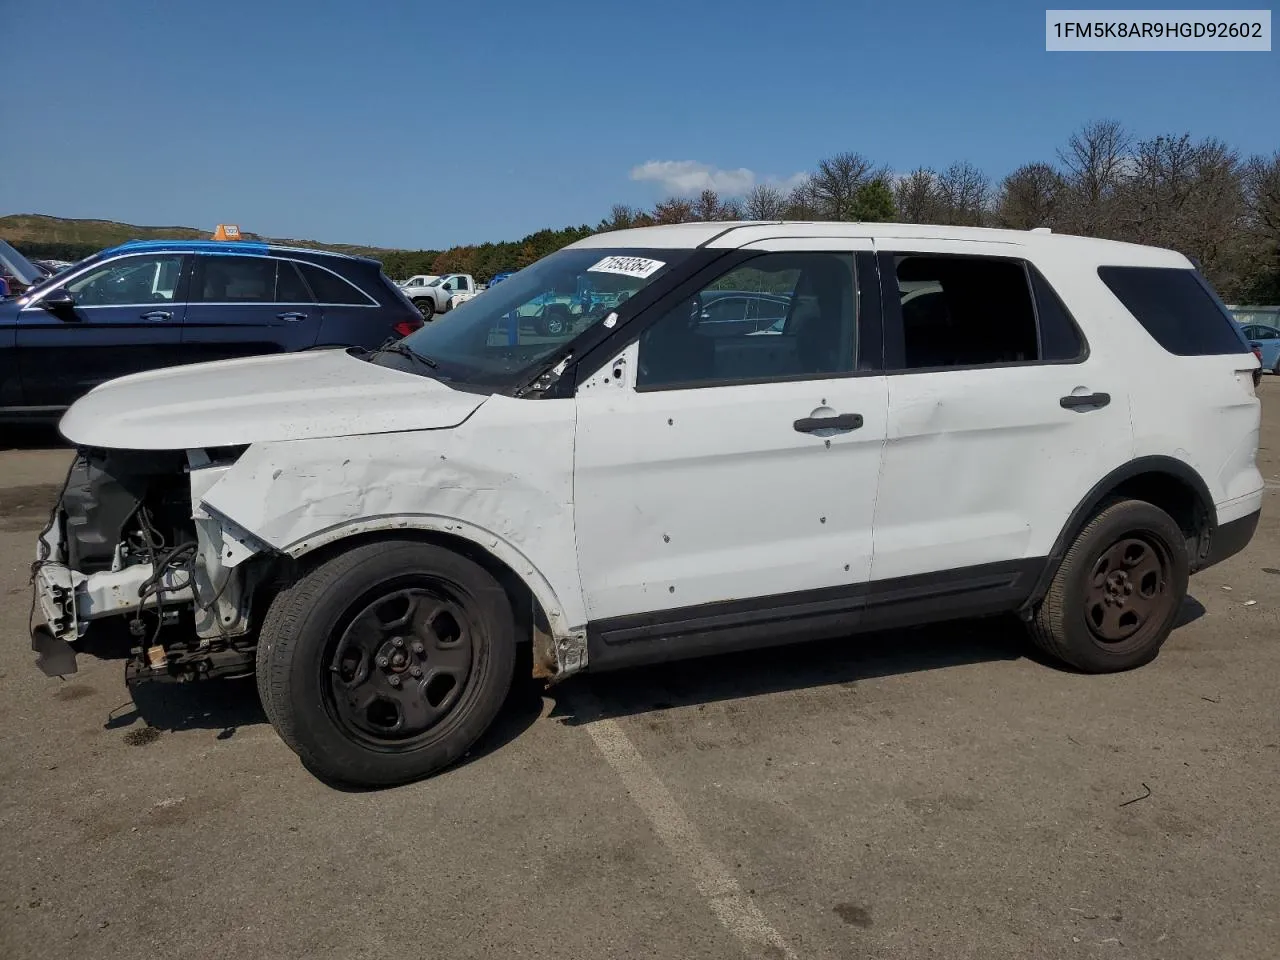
(59, 301)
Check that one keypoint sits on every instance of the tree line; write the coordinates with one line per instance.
(1200, 197)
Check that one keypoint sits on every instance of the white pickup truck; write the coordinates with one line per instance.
(439, 294)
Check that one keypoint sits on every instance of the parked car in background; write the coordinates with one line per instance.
(1265, 342)
(418, 280)
(161, 303)
(53, 267)
(499, 277)
(17, 272)
(441, 293)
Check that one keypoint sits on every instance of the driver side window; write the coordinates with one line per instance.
(128, 281)
(779, 316)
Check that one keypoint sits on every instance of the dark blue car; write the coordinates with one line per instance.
(160, 303)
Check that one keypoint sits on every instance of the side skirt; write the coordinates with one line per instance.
(810, 614)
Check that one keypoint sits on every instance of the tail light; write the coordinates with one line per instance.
(406, 327)
(1257, 374)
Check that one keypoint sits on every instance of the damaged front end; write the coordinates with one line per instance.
(130, 554)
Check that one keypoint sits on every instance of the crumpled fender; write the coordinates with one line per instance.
(503, 480)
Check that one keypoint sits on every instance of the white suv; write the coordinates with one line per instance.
(752, 434)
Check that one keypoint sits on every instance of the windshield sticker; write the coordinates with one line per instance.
(641, 267)
(610, 320)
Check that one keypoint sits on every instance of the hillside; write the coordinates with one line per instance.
(36, 231)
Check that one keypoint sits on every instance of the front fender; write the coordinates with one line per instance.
(502, 481)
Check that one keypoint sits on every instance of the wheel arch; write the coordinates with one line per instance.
(1172, 485)
(537, 606)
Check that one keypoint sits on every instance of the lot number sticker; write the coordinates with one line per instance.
(641, 267)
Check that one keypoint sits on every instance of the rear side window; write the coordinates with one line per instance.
(965, 312)
(331, 288)
(1175, 308)
(231, 279)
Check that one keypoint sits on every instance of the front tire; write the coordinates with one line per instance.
(387, 662)
(1114, 599)
(426, 306)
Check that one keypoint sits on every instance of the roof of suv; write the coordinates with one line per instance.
(248, 248)
(734, 234)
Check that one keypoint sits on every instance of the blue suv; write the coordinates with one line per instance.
(160, 303)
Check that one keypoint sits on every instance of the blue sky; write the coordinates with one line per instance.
(426, 124)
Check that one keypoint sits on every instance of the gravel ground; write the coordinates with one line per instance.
(927, 793)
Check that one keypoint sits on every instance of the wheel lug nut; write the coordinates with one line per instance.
(397, 642)
(384, 662)
(416, 670)
(394, 680)
(418, 648)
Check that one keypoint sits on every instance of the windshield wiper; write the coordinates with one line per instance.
(404, 350)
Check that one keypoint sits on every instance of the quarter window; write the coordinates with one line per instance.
(331, 288)
(132, 280)
(779, 316)
(1175, 308)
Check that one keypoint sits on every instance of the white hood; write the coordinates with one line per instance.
(292, 396)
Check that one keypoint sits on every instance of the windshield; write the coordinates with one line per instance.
(506, 335)
(15, 265)
(436, 282)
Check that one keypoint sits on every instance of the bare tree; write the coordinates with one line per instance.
(620, 217)
(673, 210)
(916, 196)
(1094, 161)
(802, 203)
(1029, 197)
(731, 209)
(1261, 276)
(836, 183)
(964, 192)
(707, 206)
(763, 202)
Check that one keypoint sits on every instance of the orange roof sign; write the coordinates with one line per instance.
(227, 231)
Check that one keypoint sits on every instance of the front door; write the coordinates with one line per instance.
(126, 317)
(243, 306)
(725, 469)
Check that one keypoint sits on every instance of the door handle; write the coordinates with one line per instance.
(841, 421)
(292, 315)
(158, 315)
(1071, 401)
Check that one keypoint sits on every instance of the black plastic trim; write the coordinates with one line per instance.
(730, 625)
(1230, 538)
(1088, 507)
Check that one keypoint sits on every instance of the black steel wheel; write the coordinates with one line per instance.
(400, 665)
(426, 306)
(1115, 598)
(385, 663)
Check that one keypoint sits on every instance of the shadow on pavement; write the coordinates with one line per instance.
(222, 705)
(820, 663)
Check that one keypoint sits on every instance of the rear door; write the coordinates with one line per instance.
(126, 317)
(1000, 418)
(352, 317)
(245, 305)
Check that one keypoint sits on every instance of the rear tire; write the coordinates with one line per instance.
(387, 662)
(1114, 599)
(426, 306)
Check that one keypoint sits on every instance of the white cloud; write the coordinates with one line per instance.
(689, 177)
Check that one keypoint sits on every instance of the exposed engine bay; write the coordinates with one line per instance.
(125, 554)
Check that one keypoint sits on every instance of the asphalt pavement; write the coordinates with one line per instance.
(929, 793)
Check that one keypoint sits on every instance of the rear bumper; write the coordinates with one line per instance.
(1230, 538)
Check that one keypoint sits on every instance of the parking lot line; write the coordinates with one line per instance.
(735, 910)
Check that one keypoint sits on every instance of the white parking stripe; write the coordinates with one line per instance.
(732, 907)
